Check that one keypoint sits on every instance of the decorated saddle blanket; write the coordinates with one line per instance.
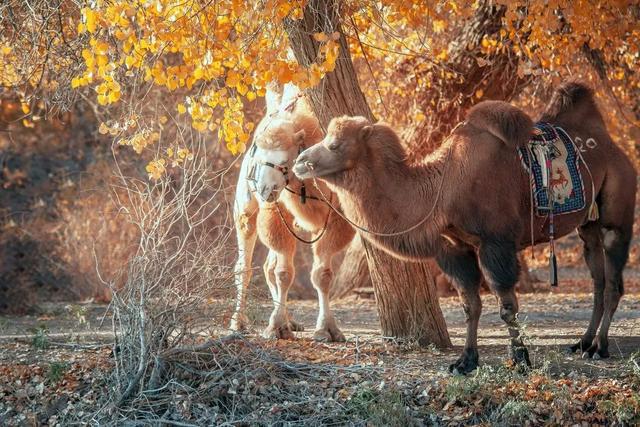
(551, 160)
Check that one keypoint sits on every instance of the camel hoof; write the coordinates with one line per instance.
(520, 357)
(579, 347)
(595, 352)
(329, 335)
(467, 363)
(278, 333)
(295, 326)
(239, 323)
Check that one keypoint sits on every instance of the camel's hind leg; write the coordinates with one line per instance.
(279, 269)
(337, 235)
(246, 234)
(617, 205)
(594, 257)
(616, 242)
(463, 270)
(499, 263)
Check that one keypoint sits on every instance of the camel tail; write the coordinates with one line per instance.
(572, 97)
(504, 121)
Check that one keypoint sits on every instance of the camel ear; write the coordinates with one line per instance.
(299, 137)
(365, 132)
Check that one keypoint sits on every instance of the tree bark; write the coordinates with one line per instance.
(405, 292)
(353, 272)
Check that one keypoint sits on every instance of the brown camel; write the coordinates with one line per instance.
(476, 196)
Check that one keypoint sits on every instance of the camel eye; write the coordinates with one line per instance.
(333, 146)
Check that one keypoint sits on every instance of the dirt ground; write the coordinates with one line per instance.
(74, 335)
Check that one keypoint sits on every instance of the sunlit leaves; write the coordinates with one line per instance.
(220, 54)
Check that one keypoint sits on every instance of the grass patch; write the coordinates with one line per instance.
(378, 407)
(40, 338)
(56, 371)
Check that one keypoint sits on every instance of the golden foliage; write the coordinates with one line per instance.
(218, 56)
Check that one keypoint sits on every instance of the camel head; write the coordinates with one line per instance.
(275, 147)
(338, 152)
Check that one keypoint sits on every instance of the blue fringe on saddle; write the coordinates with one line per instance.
(563, 180)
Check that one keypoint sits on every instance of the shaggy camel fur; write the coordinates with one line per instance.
(288, 127)
(482, 213)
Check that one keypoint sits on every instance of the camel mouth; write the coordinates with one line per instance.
(302, 170)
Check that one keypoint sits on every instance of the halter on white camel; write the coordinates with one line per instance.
(262, 209)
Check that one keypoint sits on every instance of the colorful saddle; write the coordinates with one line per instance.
(551, 160)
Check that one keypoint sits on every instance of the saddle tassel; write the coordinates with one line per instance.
(553, 269)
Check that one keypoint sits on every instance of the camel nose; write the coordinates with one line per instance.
(303, 159)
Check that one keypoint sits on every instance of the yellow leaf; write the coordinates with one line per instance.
(102, 99)
(182, 109)
(75, 82)
(321, 37)
(25, 108)
(113, 96)
(442, 56)
(90, 17)
(103, 129)
(163, 119)
(479, 93)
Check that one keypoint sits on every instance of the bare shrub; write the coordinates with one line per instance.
(171, 279)
(172, 362)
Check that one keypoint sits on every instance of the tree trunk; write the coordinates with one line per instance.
(405, 292)
(353, 272)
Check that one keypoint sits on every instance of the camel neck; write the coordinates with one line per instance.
(389, 197)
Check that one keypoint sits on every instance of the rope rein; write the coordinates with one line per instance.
(293, 233)
(413, 227)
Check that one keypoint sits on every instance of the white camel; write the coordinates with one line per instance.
(269, 200)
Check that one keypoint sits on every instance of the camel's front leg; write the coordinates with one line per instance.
(278, 268)
(499, 263)
(246, 233)
(279, 323)
(461, 266)
(321, 277)
(270, 277)
(337, 235)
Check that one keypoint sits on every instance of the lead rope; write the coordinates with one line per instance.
(553, 265)
(397, 233)
(293, 233)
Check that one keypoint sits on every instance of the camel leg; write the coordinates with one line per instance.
(270, 277)
(246, 234)
(463, 271)
(616, 252)
(279, 269)
(594, 257)
(283, 273)
(499, 263)
(337, 235)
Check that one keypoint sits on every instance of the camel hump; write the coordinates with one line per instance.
(504, 121)
(572, 98)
